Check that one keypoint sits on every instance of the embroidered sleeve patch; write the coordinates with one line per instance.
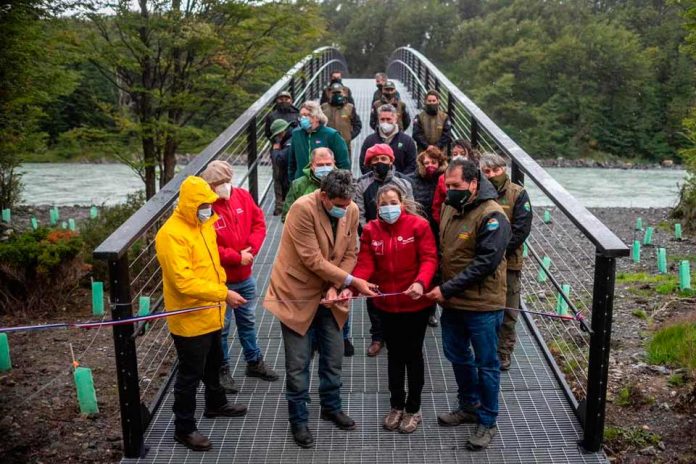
(492, 224)
(527, 207)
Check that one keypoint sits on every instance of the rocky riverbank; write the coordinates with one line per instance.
(608, 164)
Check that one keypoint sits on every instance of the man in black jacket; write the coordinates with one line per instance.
(336, 78)
(388, 132)
(283, 109)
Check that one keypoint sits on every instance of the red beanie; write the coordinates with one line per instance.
(376, 150)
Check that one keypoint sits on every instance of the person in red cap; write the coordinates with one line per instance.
(380, 159)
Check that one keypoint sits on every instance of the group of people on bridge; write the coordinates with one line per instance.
(431, 221)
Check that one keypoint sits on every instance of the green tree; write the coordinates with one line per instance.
(32, 74)
(179, 66)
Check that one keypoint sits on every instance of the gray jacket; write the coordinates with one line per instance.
(366, 192)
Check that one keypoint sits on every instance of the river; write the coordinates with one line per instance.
(64, 184)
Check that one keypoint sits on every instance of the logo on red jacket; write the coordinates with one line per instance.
(220, 223)
(378, 246)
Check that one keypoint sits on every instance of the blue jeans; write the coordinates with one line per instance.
(246, 322)
(298, 354)
(477, 374)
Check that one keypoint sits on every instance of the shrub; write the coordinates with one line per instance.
(40, 270)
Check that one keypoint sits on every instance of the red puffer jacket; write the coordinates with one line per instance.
(241, 225)
(439, 198)
(394, 256)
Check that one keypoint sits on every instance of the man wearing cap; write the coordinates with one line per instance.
(280, 150)
(240, 230)
(380, 160)
(432, 127)
(192, 276)
(336, 78)
(402, 145)
(389, 97)
(380, 79)
(283, 109)
(342, 115)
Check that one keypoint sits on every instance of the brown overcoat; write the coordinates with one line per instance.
(310, 261)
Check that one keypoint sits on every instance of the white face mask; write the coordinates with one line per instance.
(224, 190)
(387, 127)
(205, 214)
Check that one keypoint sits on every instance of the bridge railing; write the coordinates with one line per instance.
(571, 255)
(145, 354)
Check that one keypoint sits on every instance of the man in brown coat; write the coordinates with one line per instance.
(316, 256)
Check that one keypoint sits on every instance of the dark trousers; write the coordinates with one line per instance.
(508, 336)
(375, 321)
(404, 334)
(200, 358)
(298, 354)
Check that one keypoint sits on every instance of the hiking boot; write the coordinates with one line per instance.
(505, 361)
(458, 417)
(481, 438)
(433, 321)
(374, 348)
(393, 419)
(302, 436)
(195, 441)
(227, 382)
(410, 422)
(260, 370)
(348, 348)
(228, 410)
(340, 419)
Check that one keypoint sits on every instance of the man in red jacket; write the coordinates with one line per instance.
(240, 230)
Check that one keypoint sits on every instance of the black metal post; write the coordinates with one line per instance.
(427, 79)
(517, 174)
(598, 368)
(415, 83)
(450, 107)
(132, 424)
(252, 154)
(474, 132)
(291, 86)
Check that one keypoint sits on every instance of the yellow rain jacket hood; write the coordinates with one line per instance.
(191, 270)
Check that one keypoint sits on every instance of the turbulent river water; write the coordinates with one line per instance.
(64, 184)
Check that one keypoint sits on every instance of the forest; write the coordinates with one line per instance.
(140, 82)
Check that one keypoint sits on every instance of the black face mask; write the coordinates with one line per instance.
(381, 169)
(284, 106)
(337, 99)
(336, 80)
(379, 86)
(431, 109)
(457, 198)
(388, 96)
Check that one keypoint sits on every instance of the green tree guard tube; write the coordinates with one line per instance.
(93, 212)
(647, 238)
(545, 266)
(662, 260)
(547, 216)
(34, 223)
(684, 275)
(525, 250)
(86, 396)
(63, 225)
(52, 216)
(677, 231)
(5, 361)
(71, 224)
(561, 303)
(636, 251)
(98, 298)
(639, 223)
(6, 215)
(144, 308)
(56, 212)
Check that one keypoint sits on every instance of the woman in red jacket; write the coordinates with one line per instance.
(398, 252)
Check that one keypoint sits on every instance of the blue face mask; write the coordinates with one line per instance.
(337, 212)
(305, 123)
(321, 171)
(390, 213)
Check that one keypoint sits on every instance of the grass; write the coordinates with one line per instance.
(632, 396)
(662, 284)
(677, 380)
(674, 346)
(640, 314)
(630, 437)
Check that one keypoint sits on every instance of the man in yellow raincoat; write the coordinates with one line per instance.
(192, 276)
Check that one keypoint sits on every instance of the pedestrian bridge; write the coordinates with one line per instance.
(552, 399)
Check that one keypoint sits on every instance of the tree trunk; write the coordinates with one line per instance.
(150, 159)
(169, 160)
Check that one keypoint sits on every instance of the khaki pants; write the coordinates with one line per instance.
(507, 336)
